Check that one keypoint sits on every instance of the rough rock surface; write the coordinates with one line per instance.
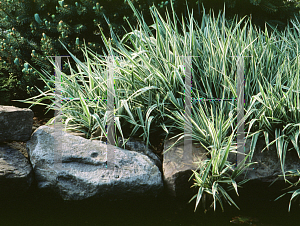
(177, 172)
(16, 174)
(139, 146)
(268, 165)
(82, 171)
(15, 123)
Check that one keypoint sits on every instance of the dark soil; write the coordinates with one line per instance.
(39, 111)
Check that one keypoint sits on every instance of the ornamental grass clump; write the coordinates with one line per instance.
(149, 90)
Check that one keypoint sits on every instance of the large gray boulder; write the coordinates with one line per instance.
(82, 172)
(16, 174)
(15, 123)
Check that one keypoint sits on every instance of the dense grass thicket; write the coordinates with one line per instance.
(150, 89)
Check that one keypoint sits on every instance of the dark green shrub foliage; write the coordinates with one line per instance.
(30, 31)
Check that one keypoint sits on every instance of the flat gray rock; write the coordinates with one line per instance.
(16, 174)
(75, 168)
(15, 123)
